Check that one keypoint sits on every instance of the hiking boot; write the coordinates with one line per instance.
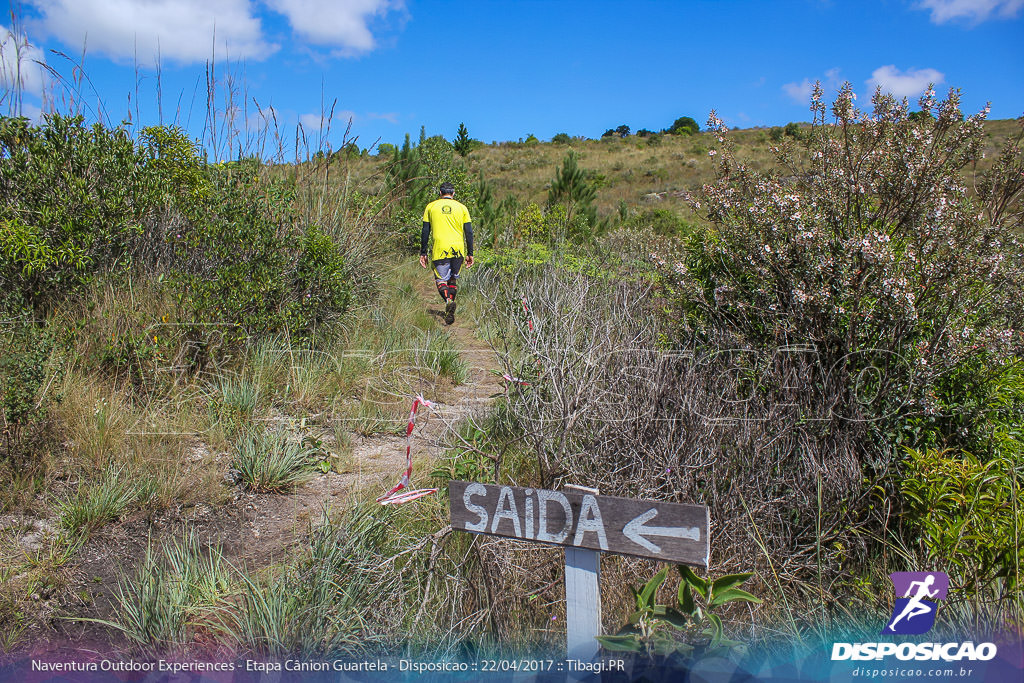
(449, 312)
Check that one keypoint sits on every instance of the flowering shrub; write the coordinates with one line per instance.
(869, 247)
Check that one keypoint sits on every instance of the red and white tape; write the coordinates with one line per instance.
(514, 380)
(397, 495)
(533, 343)
(529, 318)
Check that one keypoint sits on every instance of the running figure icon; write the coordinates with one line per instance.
(915, 607)
(914, 612)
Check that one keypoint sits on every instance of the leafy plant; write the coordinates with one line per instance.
(655, 629)
(968, 514)
(24, 351)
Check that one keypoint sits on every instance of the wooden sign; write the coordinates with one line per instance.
(646, 528)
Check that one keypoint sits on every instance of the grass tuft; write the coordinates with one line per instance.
(102, 502)
(169, 598)
(268, 462)
(441, 356)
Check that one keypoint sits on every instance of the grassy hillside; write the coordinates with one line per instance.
(632, 169)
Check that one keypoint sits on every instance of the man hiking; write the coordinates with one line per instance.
(448, 221)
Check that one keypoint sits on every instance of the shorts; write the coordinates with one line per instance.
(447, 268)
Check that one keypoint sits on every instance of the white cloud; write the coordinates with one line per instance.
(184, 30)
(340, 25)
(801, 92)
(264, 118)
(314, 122)
(903, 84)
(322, 120)
(972, 11)
(389, 116)
(21, 64)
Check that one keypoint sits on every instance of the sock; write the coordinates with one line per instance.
(453, 289)
(442, 289)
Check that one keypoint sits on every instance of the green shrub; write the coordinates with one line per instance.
(85, 199)
(248, 268)
(655, 630)
(684, 125)
(75, 200)
(968, 515)
(24, 351)
(561, 139)
(662, 221)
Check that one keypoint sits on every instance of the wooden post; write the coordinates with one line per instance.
(582, 602)
(587, 524)
(582, 598)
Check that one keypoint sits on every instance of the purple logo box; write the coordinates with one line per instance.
(902, 581)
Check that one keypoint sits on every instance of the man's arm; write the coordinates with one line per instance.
(424, 238)
(468, 230)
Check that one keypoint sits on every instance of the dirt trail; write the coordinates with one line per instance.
(378, 461)
(255, 530)
(258, 527)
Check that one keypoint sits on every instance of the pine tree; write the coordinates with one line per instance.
(406, 172)
(463, 143)
(571, 186)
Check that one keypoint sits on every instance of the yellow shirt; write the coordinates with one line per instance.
(447, 219)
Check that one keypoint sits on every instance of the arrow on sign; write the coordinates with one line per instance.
(635, 531)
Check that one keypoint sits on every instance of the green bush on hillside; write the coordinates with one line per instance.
(663, 222)
(85, 201)
(684, 125)
(249, 269)
(75, 200)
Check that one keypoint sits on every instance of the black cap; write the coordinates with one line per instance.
(447, 188)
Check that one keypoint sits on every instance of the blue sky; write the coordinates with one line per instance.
(508, 69)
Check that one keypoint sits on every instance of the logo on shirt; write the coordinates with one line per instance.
(446, 209)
